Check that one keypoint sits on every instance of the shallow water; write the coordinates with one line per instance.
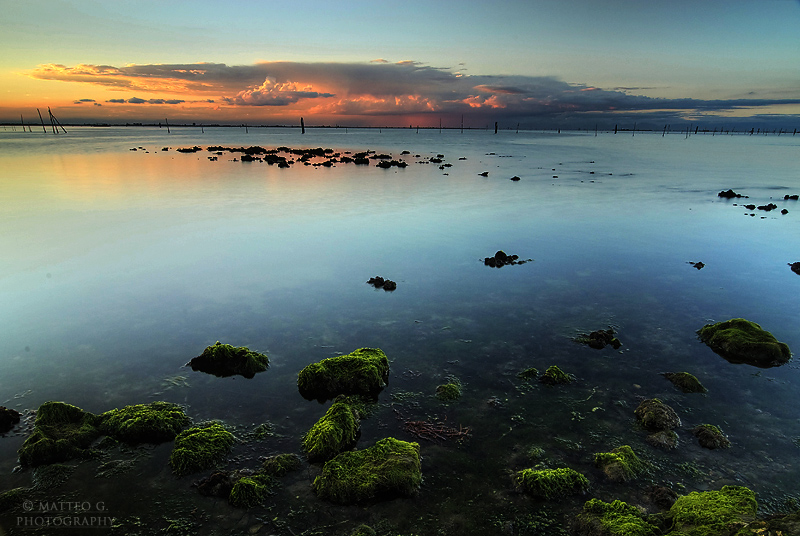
(119, 266)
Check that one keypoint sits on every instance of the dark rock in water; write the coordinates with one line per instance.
(380, 282)
(599, 339)
(794, 197)
(749, 207)
(61, 432)
(665, 439)
(686, 382)
(391, 163)
(699, 264)
(501, 259)
(515, 178)
(224, 360)
(768, 207)
(656, 416)
(362, 372)
(218, 484)
(484, 174)
(795, 267)
(741, 341)
(730, 194)
(711, 437)
(555, 376)
(8, 418)
(784, 212)
(662, 497)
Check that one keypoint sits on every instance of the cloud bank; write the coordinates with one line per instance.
(391, 92)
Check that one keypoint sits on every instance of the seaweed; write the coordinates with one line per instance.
(686, 382)
(711, 437)
(555, 376)
(362, 372)
(551, 483)
(155, 423)
(337, 430)
(713, 513)
(742, 341)
(200, 447)
(619, 465)
(616, 518)
(61, 432)
(224, 360)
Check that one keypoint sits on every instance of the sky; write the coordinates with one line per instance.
(535, 63)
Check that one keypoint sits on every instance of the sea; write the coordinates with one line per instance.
(123, 258)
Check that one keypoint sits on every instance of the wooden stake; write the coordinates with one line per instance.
(42, 120)
(302, 126)
(167, 122)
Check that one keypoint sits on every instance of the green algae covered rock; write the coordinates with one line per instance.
(713, 513)
(387, 469)
(741, 341)
(710, 437)
(281, 464)
(528, 374)
(13, 498)
(224, 360)
(450, 391)
(250, 491)
(338, 430)
(363, 372)
(551, 483)
(686, 382)
(663, 439)
(655, 415)
(363, 530)
(617, 518)
(155, 423)
(619, 465)
(555, 376)
(61, 432)
(200, 447)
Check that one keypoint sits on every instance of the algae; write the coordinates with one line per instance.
(224, 360)
(281, 464)
(155, 423)
(551, 483)
(686, 382)
(12, 498)
(61, 432)
(655, 415)
(250, 491)
(713, 513)
(711, 437)
(387, 469)
(338, 430)
(200, 447)
(741, 341)
(616, 518)
(528, 374)
(619, 465)
(450, 391)
(363, 530)
(555, 376)
(362, 372)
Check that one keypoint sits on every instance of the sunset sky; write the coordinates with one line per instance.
(537, 63)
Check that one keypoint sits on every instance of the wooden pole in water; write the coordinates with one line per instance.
(167, 122)
(23, 122)
(495, 127)
(634, 129)
(615, 129)
(52, 123)
(42, 120)
(302, 126)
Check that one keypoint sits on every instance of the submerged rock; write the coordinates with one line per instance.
(713, 513)
(551, 483)
(599, 339)
(741, 341)
(362, 372)
(8, 418)
(555, 376)
(501, 259)
(224, 360)
(664, 439)
(200, 447)
(685, 382)
(619, 465)
(156, 422)
(338, 430)
(699, 264)
(616, 518)
(730, 194)
(450, 391)
(388, 469)
(711, 437)
(656, 416)
(795, 267)
(61, 432)
(380, 282)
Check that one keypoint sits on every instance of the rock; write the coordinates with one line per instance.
(730, 194)
(664, 439)
(362, 372)
(450, 391)
(784, 212)
(154, 423)
(8, 418)
(551, 483)
(385, 284)
(338, 430)
(555, 376)
(388, 469)
(619, 465)
(224, 360)
(662, 496)
(599, 339)
(711, 437)
(484, 174)
(713, 513)
(685, 382)
(218, 484)
(656, 416)
(741, 341)
(616, 518)
(61, 432)
(200, 447)
(794, 197)
(699, 264)
(768, 207)
(515, 178)
(501, 259)
(795, 266)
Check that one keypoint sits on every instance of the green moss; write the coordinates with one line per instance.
(363, 530)
(686, 382)
(199, 448)
(389, 468)
(156, 422)
(250, 491)
(51, 476)
(338, 430)
(620, 465)
(741, 341)
(554, 376)
(613, 519)
(713, 513)
(551, 483)
(13, 498)
(363, 372)
(711, 437)
(528, 374)
(655, 415)
(663, 439)
(225, 360)
(280, 464)
(450, 391)
(62, 432)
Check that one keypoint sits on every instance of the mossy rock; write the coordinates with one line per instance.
(616, 518)
(655, 415)
(338, 430)
(200, 447)
(363, 530)
(363, 372)
(13, 498)
(281, 464)
(61, 432)
(555, 376)
(663, 439)
(155, 423)
(741, 341)
(449, 392)
(8, 418)
(713, 513)
(711, 437)
(619, 465)
(686, 382)
(528, 374)
(599, 339)
(388, 469)
(250, 491)
(551, 483)
(224, 360)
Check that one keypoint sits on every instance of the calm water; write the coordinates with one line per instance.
(119, 266)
